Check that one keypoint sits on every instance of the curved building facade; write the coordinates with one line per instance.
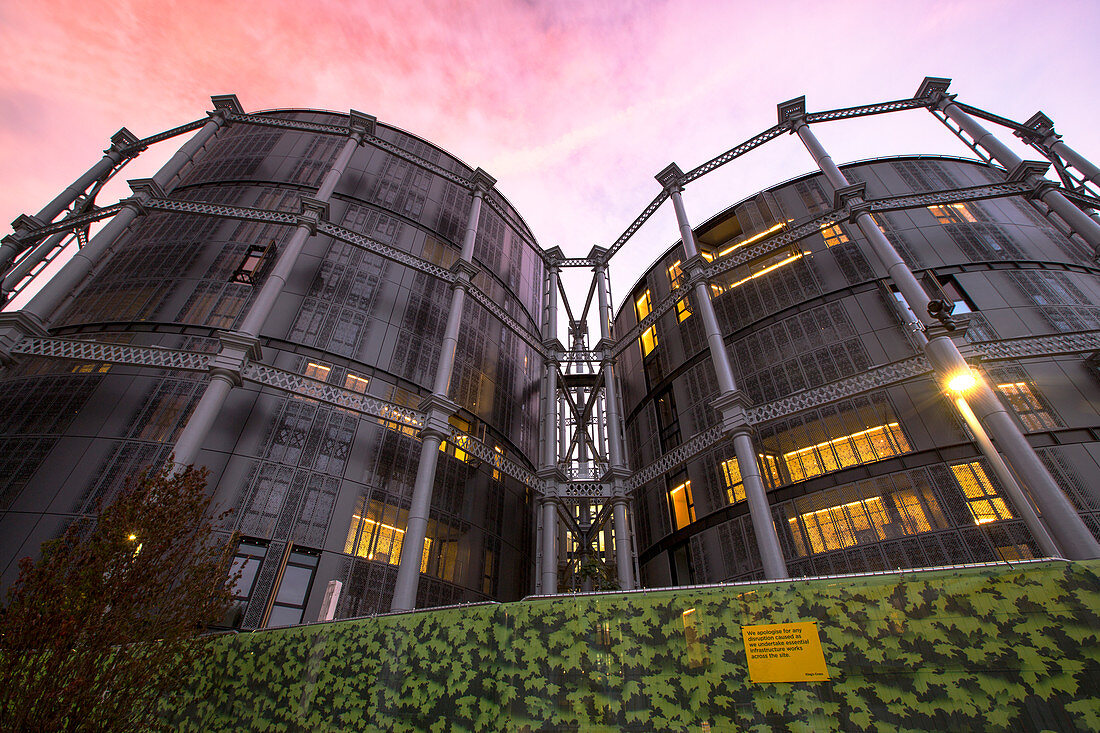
(865, 468)
(893, 365)
(319, 492)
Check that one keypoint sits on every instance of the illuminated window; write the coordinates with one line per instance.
(455, 447)
(833, 235)
(675, 275)
(735, 486)
(254, 260)
(648, 340)
(683, 310)
(92, 368)
(753, 270)
(317, 371)
(355, 383)
(716, 290)
(499, 453)
(982, 499)
(683, 509)
(643, 305)
(1025, 403)
(953, 214)
(837, 527)
(1011, 553)
(377, 533)
(865, 446)
(754, 238)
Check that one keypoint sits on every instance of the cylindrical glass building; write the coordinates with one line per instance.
(877, 470)
(320, 494)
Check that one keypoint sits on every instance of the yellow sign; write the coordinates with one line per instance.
(784, 652)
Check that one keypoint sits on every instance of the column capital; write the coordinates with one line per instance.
(482, 182)
(732, 407)
(227, 104)
(615, 475)
(792, 112)
(146, 188)
(693, 267)
(124, 140)
(25, 223)
(1040, 128)
(605, 345)
(1028, 168)
(597, 255)
(362, 123)
(464, 272)
(14, 325)
(934, 89)
(237, 349)
(552, 475)
(555, 347)
(438, 411)
(671, 178)
(313, 212)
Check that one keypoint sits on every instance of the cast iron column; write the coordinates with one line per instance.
(439, 408)
(731, 402)
(624, 542)
(237, 347)
(1069, 531)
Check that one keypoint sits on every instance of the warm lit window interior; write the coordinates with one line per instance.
(756, 269)
(952, 213)
(355, 383)
(735, 486)
(865, 446)
(253, 260)
(377, 532)
(982, 499)
(837, 527)
(754, 238)
(648, 340)
(91, 367)
(455, 447)
(675, 275)
(911, 509)
(317, 371)
(643, 304)
(1027, 406)
(683, 310)
(833, 235)
(683, 509)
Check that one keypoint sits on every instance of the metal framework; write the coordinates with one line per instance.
(584, 463)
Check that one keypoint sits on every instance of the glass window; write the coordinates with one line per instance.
(355, 383)
(377, 533)
(683, 508)
(254, 259)
(683, 310)
(833, 235)
(675, 275)
(837, 527)
(294, 585)
(643, 304)
(248, 559)
(865, 446)
(953, 214)
(981, 498)
(735, 486)
(317, 371)
(1027, 406)
(648, 340)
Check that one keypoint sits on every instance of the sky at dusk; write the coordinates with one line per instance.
(573, 106)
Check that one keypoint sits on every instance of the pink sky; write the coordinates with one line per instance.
(571, 105)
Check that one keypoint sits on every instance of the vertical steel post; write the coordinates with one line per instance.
(439, 408)
(549, 546)
(240, 345)
(731, 401)
(1078, 221)
(54, 292)
(1069, 531)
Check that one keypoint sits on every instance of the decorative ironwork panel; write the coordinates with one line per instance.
(221, 210)
(867, 109)
(1062, 343)
(636, 225)
(330, 393)
(809, 398)
(497, 460)
(583, 490)
(150, 356)
(73, 222)
(153, 139)
(384, 250)
(951, 196)
(287, 124)
(753, 142)
(677, 456)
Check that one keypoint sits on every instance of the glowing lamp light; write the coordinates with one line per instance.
(132, 537)
(962, 382)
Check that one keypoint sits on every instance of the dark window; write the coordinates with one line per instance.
(254, 260)
(290, 599)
